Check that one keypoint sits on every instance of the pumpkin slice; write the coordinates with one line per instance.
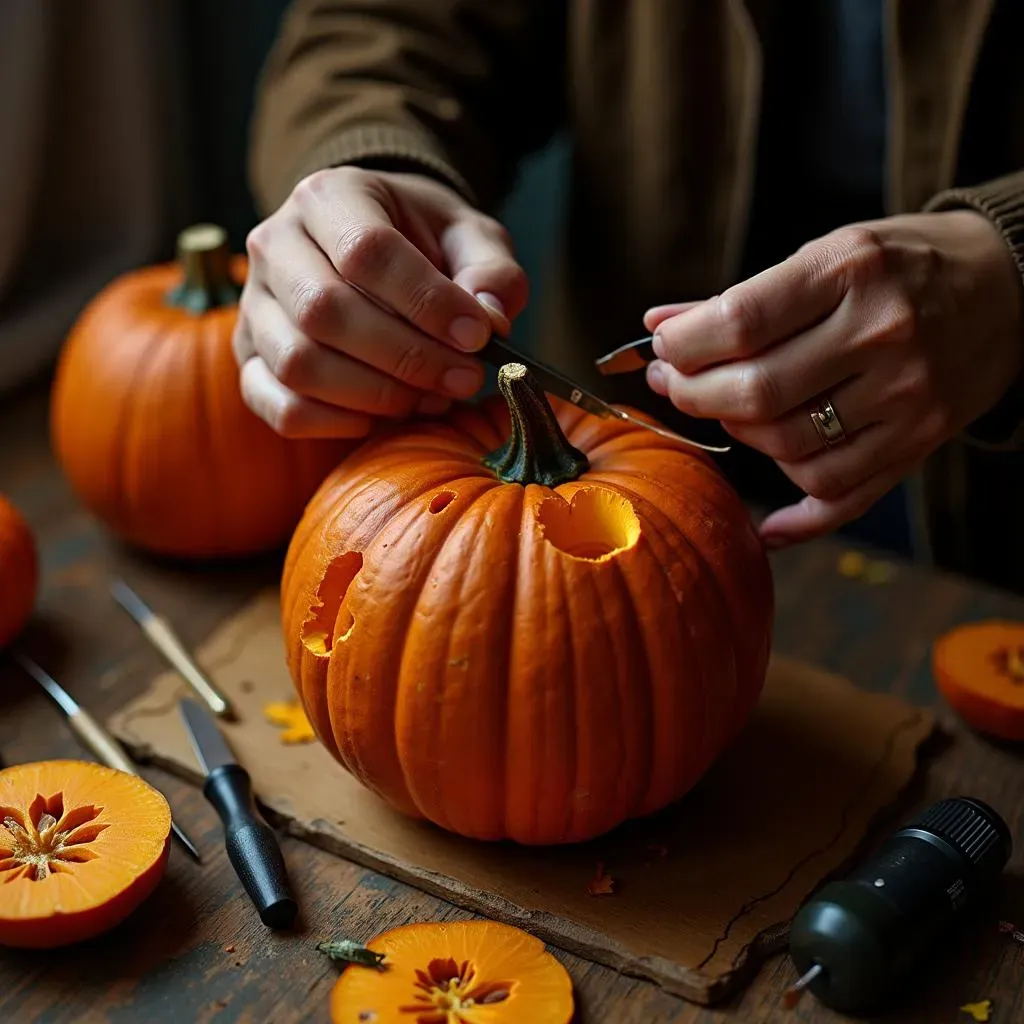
(979, 669)
(455, 972)
(81, 846)
(19, 572)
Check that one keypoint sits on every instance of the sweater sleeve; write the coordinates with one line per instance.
(1002, 201)
(457, 89)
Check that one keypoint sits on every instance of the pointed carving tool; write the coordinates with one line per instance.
(498, 352)
(251, 844)
(160, 634)
(92, 735)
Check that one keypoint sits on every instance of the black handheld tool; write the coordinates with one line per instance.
(251, 843)
(857, 938)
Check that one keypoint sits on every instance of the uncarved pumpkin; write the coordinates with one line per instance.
(149, 424)
(19, 572)
(533, 636)
(81, 846)
(455, 972)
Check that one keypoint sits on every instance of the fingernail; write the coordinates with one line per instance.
(433, 404)
(656, 377)
(469, 333)
(491, 303)
(658, 345)
(461, 382)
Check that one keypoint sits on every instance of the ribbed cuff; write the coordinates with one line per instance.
(1002, 202)
(385, 147)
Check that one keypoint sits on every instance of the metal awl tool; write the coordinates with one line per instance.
(498, 352)
(160, 634)
(627, 358)
(91, 734)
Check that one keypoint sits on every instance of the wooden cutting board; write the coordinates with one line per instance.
(702, 892)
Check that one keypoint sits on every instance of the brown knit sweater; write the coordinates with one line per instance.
(661, 99)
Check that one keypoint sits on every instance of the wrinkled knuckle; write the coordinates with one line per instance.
(739, 321)
(312, 187)
(287, 417)
(756, 394)
(411, 364)
(294, 364)
(364, 252)
(316, 308)
(899, 323)
(865, 254)
(424, 300)
(257, 241)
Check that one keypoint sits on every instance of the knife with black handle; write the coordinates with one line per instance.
(251, 844)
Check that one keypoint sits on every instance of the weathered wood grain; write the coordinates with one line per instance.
(169, 964)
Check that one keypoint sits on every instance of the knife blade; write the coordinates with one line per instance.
(250, 842)
(497, 352)
(92, 735)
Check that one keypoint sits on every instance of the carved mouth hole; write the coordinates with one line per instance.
(328, 621)
(47, 839)
(447, 990)
(595, 526)
(440, 501)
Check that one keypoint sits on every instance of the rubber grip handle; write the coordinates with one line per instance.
(252, 846)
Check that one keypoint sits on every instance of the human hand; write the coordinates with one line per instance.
(366, 293)
(910, 326)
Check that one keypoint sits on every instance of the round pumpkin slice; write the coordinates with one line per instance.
(81, 846)
(979, 669)
(470, 972)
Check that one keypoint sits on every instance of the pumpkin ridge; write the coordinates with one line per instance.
(120, 471)
(632, 798)
(401, 627)
(478, 505)
(746, 674)
(655, 528)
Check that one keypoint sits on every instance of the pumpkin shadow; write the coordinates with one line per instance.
(159, 930)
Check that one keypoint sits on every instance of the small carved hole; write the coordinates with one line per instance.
(440, 501)
(324, 625)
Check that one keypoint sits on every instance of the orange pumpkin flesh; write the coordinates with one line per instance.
(979, 669)
(81, 846)
(458, 972)
(19, 572)
(149, 424)
(526, 661)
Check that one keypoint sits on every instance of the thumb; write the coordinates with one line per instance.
(480, 259)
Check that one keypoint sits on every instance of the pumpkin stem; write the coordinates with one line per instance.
(204, 259)
(537, 452)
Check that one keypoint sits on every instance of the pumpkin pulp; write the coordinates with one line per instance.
(458, 972)
(81, 846)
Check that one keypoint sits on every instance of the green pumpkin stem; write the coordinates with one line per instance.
(537, 452)
(204, 256)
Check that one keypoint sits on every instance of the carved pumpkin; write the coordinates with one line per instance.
(455, 972)
(19, 572)
(149, 424)
(532, 639)
(81, 846)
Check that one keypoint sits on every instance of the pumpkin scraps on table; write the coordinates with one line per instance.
(453, 972)
(979, 669)
(625, 556)
(289, 716)
(19, 572)
(81, 847)
(148, 420)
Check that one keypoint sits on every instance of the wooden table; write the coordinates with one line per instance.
(196, 952)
